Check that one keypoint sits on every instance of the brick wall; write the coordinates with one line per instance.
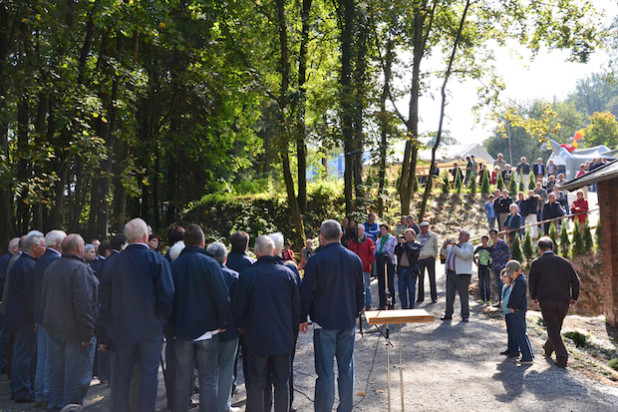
(608, 203)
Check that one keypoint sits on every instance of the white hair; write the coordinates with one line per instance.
(88, 247)
(54, 238)
(13, 244)
(32, 238)
(176, 249)
(218, 251)
(264, 245)
(135, 230)
(278, 241)
(513, 206)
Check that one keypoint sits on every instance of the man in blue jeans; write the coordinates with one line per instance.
(407, 251)
(333, 296)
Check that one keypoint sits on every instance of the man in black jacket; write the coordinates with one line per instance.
(407, 251)
(68, 300)
(553, 285)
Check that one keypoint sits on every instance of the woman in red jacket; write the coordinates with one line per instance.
(364, 248)
(580, 207)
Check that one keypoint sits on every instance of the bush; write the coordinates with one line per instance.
(613, 363)
(485, 183)
(578, 241)
(521, 184)
(472, 186)
(513, 187)
(578, 338)
(553, 233)
(588, 242)
(458, 182)
(446, 184)
(531, 182)
(527, 248)
(500, 182)
(516, 249)
(565, 242)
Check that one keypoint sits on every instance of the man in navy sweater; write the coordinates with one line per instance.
(333, 296)
(137, 293)
(266, 304)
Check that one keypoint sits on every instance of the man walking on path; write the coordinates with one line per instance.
(136, 295)
(68, 302)
(458, 274)
(554, 286)
(332, 295)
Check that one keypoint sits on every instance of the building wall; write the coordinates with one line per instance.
(608, 203)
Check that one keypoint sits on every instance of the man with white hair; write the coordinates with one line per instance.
(19, 314)
(53, 252)
(136, 300)
(458, 273)
(266, 304)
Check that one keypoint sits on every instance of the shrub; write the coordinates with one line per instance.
(416, 184)
(500, 182)
(527, 248)
(521, 187)
(613, 363)
(485, 183)
(531, 182)
(578, 338)
(565, 242)
(553, 233)
(446, 184)
(588, 242)
(513, 187)
(578, 241)
(458, 182)
(516, 249)
(472, 186)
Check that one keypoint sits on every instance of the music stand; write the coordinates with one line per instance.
(396, 317)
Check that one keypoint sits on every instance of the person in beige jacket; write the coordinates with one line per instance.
(427, 260)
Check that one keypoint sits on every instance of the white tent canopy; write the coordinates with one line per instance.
(458, 153)
(572, 160)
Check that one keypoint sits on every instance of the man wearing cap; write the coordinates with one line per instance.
(458, 274)
(554, 286)
(427, 260)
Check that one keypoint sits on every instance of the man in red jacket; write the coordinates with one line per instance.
(364, 247)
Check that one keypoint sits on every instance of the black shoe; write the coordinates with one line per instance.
(446, 318)
(464, 320)
(562, 365)
(24, 400)
(434, 301)
(512, 355)
(382, 308)
(391, 307)
(546, 352)
(420, 300)
(505, 352)
(367, 308)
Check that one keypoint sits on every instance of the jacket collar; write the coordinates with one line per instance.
(264, 260)
(72, 256)
(136, 246)
(193, 249)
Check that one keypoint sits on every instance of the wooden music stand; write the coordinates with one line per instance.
(396, 317)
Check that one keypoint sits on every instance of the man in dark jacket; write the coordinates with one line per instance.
(266, 304)
(19, 315)
(551, 210)
(138, 298)
(4, 267)
(554, 286)
(238, 259)
(69, 305)
(200, 311)
(332, 294)
(53, 243)
(407, 251)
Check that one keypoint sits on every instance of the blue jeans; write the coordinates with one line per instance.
(485, 282)
(227, 356)
(70, 366)
(499, 283)
(206, 354)
(521, 337)
(328, 345)
(492, 222)
(144, 355)
(511, 343)
(22, 366)
(367, 282)
(407, 287)
(41, 380)
(260, 369)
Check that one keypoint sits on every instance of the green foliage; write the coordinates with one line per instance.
(500, 182)
(588, 242)
(516, 252)
(565, 242)
(521, 186)
(578, 338)
(458, 183)
(527, 247)
(597, 236)
(553, 234)
(417, 184)
(485, 188)
(531, 182)
(613, 363)
(578, 241)
(472, 186)
(513, 186)
(446, 185)
(602, 130)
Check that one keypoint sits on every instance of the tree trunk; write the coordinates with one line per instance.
(360, 79)
(347, 100)
(384, 124)
(23, 165)
(301, 146)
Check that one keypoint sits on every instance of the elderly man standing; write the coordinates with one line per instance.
(53, 243)
(19, 314)
(4, 266)
(266, 304)
(364, 248)
(427, 260)
(553, 285)
(200, 311)
(385, 262)
(458, 273)
(69, 305)
(136, 295)
(332, 295)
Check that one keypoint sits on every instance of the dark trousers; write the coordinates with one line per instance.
(511, 342)
(429, 264)
(4, 343)
(553, 314)
(484, 282)
(268, 390)
(499, 283)
(146, 354)
(259, 368)
(385, 264)
(457, 284)
(23, 362)
(518, 320)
